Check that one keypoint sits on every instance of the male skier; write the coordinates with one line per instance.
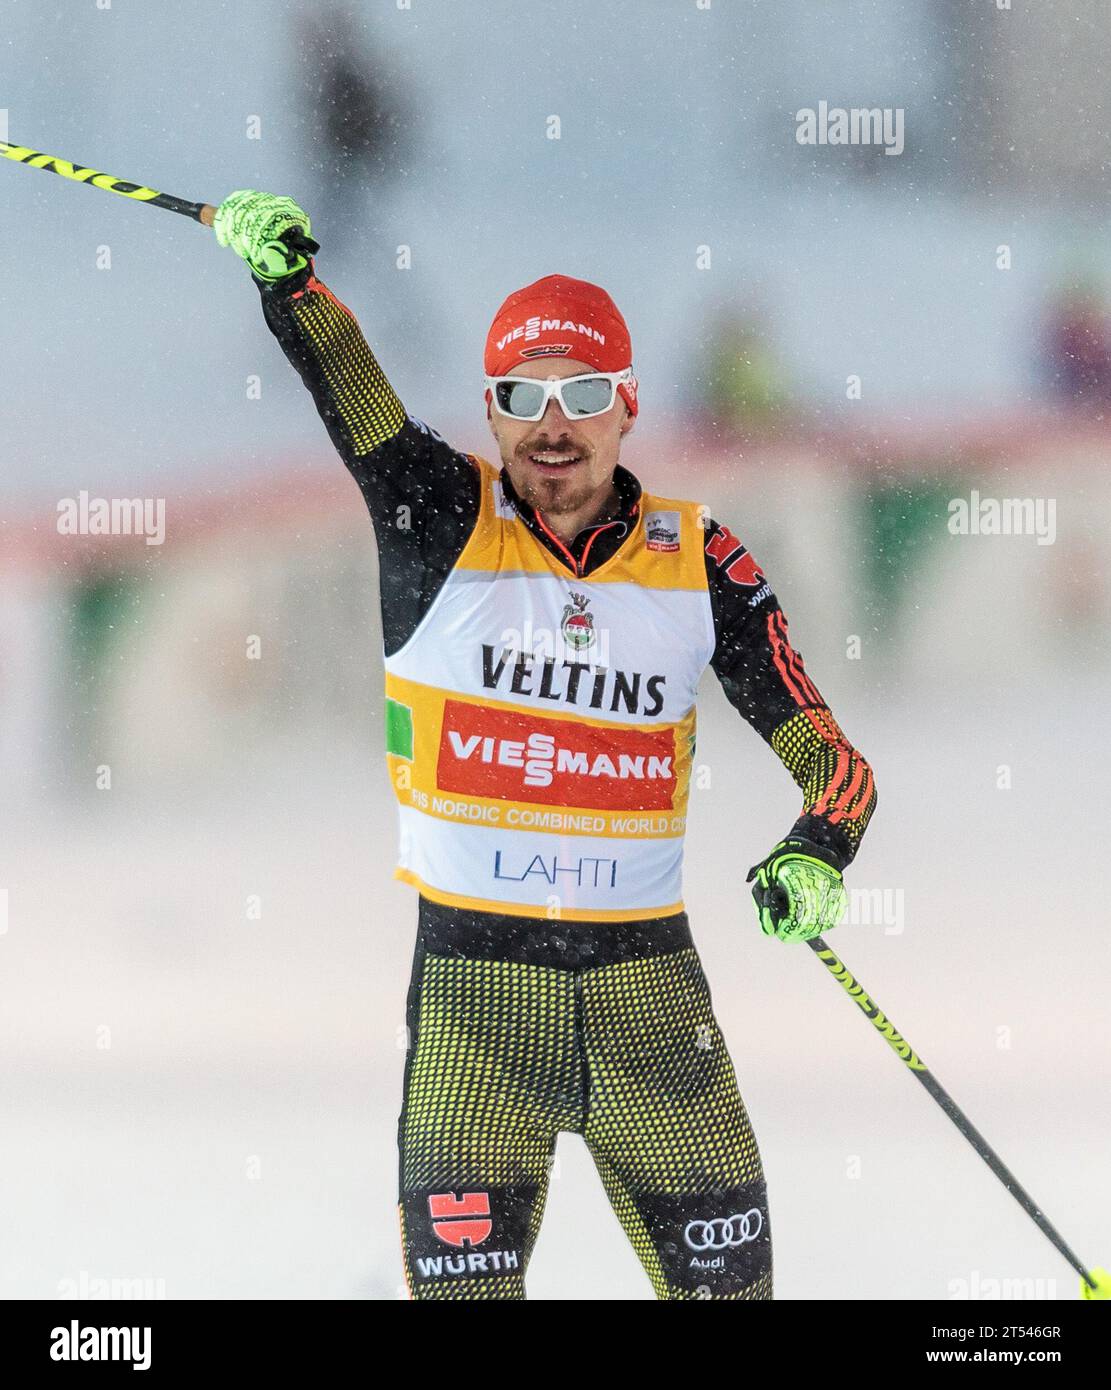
(545, 627)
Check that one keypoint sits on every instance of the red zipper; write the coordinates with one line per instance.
(590, 542)
(575, 564)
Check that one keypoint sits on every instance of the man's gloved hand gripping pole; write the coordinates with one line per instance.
(270, 233)
(799, 891)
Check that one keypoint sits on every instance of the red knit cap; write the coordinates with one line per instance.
(560, 317)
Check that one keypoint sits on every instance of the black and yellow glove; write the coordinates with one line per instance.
(269, 232)
(799, 892)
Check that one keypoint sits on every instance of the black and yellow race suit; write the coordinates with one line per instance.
(523, 1028)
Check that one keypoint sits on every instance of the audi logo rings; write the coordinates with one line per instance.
(725, 1232)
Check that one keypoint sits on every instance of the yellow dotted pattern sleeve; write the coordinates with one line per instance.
(323, 340)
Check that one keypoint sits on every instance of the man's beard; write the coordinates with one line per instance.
(551, 493)
(555, 496)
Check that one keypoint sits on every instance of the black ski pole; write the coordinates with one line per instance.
(295, 239)
(1094, 1283)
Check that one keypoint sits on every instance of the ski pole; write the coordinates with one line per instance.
(295, 239)
(1095, 1283)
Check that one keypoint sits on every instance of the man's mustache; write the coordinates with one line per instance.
(565, 444)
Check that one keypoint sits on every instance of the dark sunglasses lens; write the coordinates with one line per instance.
(521, 398)
(588, 395)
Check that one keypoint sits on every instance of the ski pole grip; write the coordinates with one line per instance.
(296, 240)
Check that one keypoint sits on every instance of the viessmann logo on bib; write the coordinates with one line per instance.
(516, 757)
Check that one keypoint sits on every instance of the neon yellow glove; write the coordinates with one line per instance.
(799, 892)
(257, 226)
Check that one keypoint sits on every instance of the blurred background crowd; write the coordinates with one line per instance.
(832, 345)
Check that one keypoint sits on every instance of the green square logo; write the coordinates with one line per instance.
(399, 729)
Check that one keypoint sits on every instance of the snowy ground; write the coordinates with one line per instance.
(235, 1137)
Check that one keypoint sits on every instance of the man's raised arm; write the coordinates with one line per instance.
(398, 461)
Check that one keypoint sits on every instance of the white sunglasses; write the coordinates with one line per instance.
(580, 397)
